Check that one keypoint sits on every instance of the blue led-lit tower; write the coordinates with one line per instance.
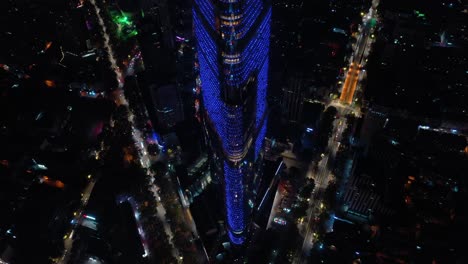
(232, 39)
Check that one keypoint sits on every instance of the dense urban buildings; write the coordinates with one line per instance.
(233, 131)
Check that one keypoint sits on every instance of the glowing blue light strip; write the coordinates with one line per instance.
(261, 107)
(207, 10)
(259, 140)
(205, 44)
(262, 82)
(257, 49)
(236, 239)
(207, 57)
(251, 9)
(234, 191)
(228, 120)
(233, 130)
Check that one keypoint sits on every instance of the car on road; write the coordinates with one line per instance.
(279, 221)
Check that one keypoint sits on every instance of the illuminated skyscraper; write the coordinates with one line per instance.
(232, 38)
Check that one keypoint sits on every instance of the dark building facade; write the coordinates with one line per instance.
(232, 40)
(293, 99)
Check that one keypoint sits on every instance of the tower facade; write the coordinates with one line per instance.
(232, 40)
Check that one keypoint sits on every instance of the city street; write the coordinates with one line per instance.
(120, 99)
(344, 106)
(180, 132)
(358, 59)
(349, 86)
(68, 239)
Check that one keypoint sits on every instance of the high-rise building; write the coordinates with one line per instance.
(293, 99)
(232, 38)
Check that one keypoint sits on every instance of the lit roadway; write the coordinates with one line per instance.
(136, 213)
(322, 175)
(141, 145)
(68, 238)
(358, 60)
(349, 86)
(119, 98)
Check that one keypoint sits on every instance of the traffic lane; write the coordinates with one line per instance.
(314, 212)
(347, 86)
(352, 88)
(351, 84)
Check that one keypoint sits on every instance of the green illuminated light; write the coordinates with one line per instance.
(125, 26)
(419, 14)
(124, 20)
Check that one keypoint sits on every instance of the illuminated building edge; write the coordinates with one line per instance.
(230, 55)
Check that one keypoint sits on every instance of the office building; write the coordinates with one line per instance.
(232, 40)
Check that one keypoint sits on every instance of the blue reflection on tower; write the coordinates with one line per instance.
(232, 38)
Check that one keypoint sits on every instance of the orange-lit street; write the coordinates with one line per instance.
(322, 173)
(349, 86)
(358, 59)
